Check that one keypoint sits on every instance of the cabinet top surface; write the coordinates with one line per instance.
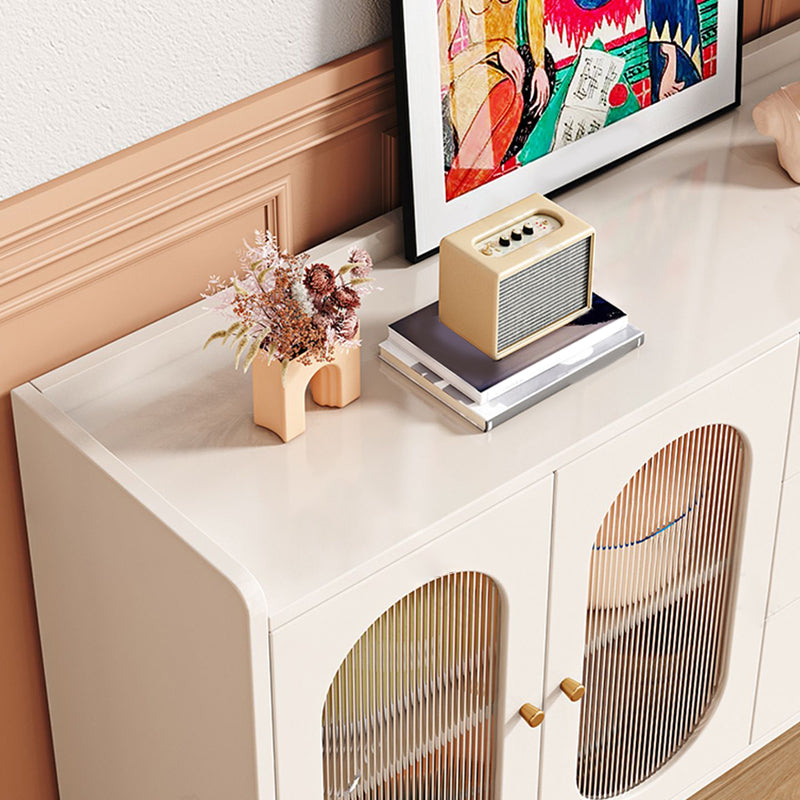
(698, 240)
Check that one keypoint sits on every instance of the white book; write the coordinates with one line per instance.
(488, 415)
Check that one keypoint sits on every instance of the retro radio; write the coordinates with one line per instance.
(516, 275)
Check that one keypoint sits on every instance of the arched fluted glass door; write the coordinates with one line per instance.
(660, 579)
(411, 711)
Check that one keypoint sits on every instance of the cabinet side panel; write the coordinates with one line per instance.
(147, 646)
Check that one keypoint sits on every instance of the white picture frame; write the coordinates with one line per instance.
(429, 215)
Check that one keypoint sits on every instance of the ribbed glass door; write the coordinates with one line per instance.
(658, 609)
(411, 712)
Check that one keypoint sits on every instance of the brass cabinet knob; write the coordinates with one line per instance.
(532, 715)
(572, 689)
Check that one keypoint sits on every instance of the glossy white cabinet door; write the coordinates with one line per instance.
(584, 491)
(785, 588)
(778, 687)
(793, 446)
(509, 543)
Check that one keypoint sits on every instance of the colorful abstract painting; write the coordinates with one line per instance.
(521, 79)
(502, 99)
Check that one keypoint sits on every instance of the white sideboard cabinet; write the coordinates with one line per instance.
(582, 603)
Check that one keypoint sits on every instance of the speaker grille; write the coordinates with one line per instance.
(543, 293)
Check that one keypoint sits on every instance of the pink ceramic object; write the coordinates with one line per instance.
(778, 116)
(281, 405)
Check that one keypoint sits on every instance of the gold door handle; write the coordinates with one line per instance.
(572, 689)
(532, 715)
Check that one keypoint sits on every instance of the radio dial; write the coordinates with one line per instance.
(516, 234)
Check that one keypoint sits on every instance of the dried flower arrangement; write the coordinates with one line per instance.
(288, 307)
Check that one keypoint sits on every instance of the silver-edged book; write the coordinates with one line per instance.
(490, 413)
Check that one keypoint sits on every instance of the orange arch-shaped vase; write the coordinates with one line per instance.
(280, 405)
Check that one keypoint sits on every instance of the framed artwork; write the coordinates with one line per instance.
(500, 99)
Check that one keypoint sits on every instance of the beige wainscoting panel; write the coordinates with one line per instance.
(390, 170)
(779, 12)
(102, 251)
(763, 16)
(751, 19)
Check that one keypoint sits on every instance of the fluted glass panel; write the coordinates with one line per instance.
(658, 607)
(410, 715)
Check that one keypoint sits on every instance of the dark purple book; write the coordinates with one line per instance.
(480, 377)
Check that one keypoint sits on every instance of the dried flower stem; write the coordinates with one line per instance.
(287, 308)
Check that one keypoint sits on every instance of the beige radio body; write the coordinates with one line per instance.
(516, 275)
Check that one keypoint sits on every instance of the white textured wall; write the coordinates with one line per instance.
(80, 79)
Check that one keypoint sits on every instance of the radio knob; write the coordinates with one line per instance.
(504, 241)
(527, 229)
(516, 235)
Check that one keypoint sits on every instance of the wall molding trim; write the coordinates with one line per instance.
(272, 198)
(390, 170)
(123, 208)
(115, 245)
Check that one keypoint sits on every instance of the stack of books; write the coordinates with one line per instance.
(488, 392)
